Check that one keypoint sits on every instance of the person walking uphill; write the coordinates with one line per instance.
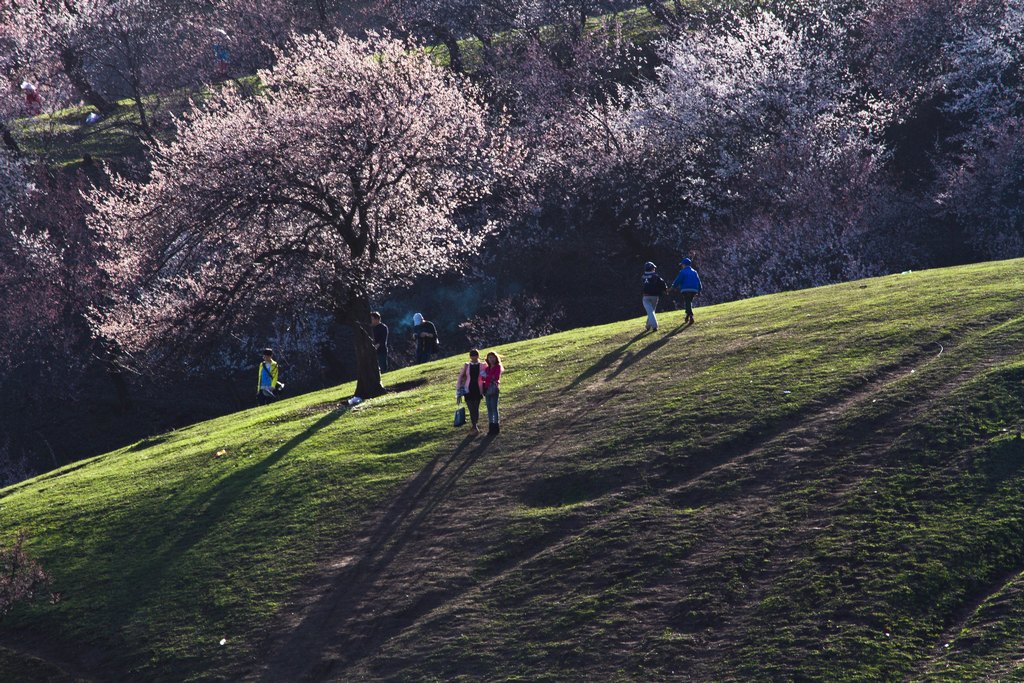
(652, 288)
(425, 334)
(490, 378)
(268, 372)
(688, 284)
(470, 386)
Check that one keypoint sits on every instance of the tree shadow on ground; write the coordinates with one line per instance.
(605, 362)
(630, 358)
(399, 387)
(344, 617)
(204, 514)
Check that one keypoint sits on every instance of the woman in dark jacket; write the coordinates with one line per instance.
(470, 386)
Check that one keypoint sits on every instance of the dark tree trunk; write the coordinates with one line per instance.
(109, 353)
(321, 15)
(368, 382)
(9, 142)
(356, 314)
(454, 52)
(143, 119)
(661, 14)
(72, 64)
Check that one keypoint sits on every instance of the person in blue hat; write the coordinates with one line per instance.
(688, 284)
(652, 287)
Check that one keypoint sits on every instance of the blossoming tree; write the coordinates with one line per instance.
(345, 178)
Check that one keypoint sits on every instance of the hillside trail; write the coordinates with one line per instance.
(420, 553)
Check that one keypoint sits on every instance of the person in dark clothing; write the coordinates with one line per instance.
(652, 287)
(380, 340)
(425, 334)
(689, 285)
(470, 387)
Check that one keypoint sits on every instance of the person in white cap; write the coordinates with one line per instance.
(33, 100)
(425, 334)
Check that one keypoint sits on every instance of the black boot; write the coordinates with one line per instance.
(492, 429)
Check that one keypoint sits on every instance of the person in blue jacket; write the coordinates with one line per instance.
(688, 284)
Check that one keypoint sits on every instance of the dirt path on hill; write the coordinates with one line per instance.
(418, 555)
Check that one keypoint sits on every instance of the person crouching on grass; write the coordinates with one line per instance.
(490, 376)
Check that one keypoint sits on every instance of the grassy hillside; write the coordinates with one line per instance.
(819, 485)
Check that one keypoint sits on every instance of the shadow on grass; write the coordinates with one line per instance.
(605, 362)
(205, 514)
(629, 359)
(346, 617)
(408, 385)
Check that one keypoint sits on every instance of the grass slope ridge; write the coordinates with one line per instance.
(818, 485)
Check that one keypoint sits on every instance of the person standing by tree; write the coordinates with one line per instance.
(425, 334)
(33, 100)
(470, 386)
(688, 284)
(490, 378)
(380, 340)
(653, 286)
(354, 160)
(268, 372)
(221, 53)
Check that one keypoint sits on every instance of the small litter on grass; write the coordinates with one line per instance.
(354, 401)
(787, 391)
(221, 453)
(223, 641)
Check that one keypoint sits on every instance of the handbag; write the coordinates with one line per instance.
(460, 416)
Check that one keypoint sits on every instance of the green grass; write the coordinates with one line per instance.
(63, 138)
(737, 500)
